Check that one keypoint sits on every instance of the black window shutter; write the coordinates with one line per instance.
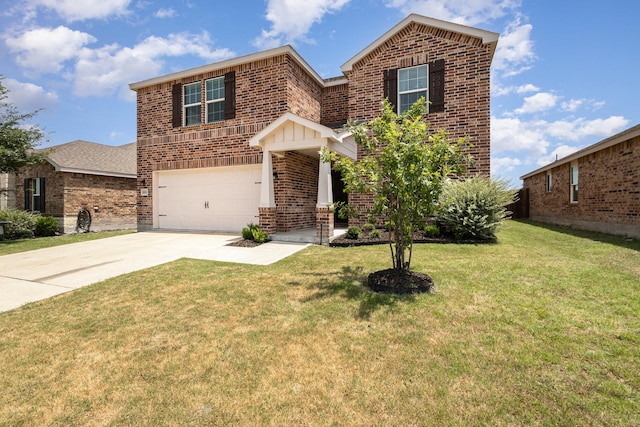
(436, 86)
(176, 94)
(42, 198)
(230, 95)
(391, 87)
(27, 194)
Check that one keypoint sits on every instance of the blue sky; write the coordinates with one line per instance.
(565, 74)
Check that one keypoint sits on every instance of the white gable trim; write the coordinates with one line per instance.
(488, 37)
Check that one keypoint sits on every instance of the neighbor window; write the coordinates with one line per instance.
(574, 184)
(412, 84)
(215, 99)
(34, 194)
(549, 184)
(192, 104)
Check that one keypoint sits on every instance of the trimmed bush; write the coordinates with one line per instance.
(431, 230)
(353, 233)
(368, 228)
(46, 226)
(475, 208)
(22, 223)
(375, 234)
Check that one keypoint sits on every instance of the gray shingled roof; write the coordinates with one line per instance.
(96, 159)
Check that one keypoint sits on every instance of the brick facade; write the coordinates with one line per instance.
(272, 83)
(608, 196)
(66, 193)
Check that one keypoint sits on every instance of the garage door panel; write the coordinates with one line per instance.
(218, 199)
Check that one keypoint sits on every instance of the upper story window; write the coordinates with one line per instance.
(403, 87)
(549, 182)
(219, 101)
(215, 99)
(574, 183)
(412, 84)
(192, 104)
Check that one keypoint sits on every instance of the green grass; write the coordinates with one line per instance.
(542, 328)
(13, 246)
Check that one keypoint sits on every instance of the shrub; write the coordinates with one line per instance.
(431, 230)
(253, 232)
(475, 208)
(368, 227)
(22, 223)
(46, 226)
(353, 233)
(247, 234)
(375, 234)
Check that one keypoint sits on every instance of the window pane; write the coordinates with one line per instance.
(192, 115)
(215, 89)
(414, 78)
(574, 193)
(574, 175)
(215, 111)
(192, 93)
(408, 99)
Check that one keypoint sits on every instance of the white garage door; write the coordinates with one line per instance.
(217, 199)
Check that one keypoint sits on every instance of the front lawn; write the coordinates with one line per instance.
(542, 328)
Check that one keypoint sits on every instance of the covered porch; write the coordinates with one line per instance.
(296, 191)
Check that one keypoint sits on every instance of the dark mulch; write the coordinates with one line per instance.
(392, 281)
(418, 237)
(244, 243)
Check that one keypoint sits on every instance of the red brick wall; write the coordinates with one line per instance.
(608, 197)
(335, 105)
(66, 193)
(467, 83)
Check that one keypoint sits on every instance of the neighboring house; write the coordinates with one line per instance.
(81, 174)
(596, 188)
(237, 141)
(7, 190)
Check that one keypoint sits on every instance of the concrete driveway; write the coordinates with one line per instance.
(35, 275)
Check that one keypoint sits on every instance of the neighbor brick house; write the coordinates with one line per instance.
(82, 174)
(237, 141)
(596, 188)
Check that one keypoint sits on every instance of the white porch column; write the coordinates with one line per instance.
(325, 191)
(267, 199)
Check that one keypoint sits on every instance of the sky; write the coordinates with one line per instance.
(564, 75)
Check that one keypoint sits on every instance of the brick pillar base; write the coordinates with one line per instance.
(324, 217)
(268, 219)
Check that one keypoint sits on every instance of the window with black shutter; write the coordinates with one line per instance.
(230, 95)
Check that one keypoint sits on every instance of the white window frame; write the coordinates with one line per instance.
(214, 101)
(573, 183)
(186, 106)
(424, 91)
(549, 182)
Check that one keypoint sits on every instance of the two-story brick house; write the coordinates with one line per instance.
(237, 141)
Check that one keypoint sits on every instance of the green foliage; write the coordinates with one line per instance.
(368, 227)
(254, 232)
(476, 207)
(353, 233)
(17, 139)
(46, 226)
(404, 167)
(374, 234)
(431, 230)
(22, 223)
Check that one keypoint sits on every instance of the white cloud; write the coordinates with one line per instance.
(165, 13)
(46, 49)
(74, 10)
(504, 164)
(460, 11)
(514, 53)
(539, 102)
(558, 153)
(103, 71)
(515, 135)
(291, 20)
(497, 90)
(28, 97)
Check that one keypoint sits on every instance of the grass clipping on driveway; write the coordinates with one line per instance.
(541, 328)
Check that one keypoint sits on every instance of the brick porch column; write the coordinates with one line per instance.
(268, 219)
(324, 211)
(324, 223)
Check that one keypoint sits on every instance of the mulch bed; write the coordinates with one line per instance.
(244, 243)
(392, 281)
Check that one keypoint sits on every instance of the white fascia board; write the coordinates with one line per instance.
(287, 49)
(609, 142)
(486, 36)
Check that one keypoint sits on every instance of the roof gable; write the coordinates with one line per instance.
(485, 37)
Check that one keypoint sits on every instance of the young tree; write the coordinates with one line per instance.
(17, 140)
(404, 168)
